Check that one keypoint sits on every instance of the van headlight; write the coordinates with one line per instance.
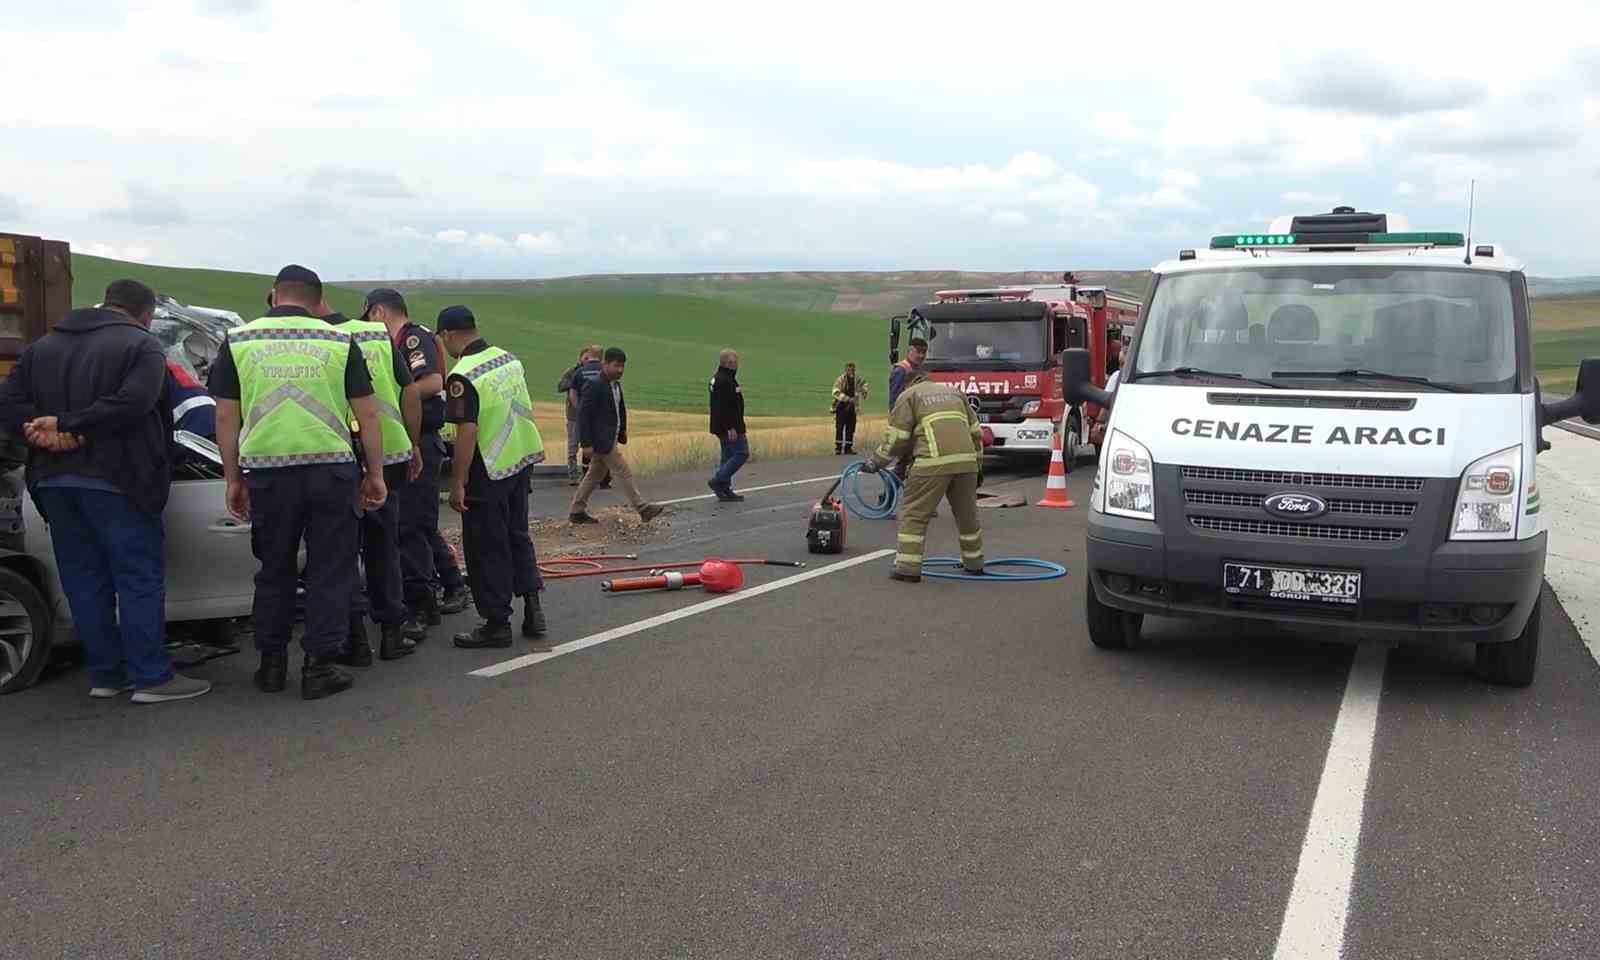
(1130, 478)
(1486, 506)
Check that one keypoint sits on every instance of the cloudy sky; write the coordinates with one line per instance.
(507, 139)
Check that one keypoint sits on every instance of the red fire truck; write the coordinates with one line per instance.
(1002, 346)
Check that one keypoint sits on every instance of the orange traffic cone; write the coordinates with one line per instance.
(1055, 485)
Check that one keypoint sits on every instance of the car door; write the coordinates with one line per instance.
(210, 568)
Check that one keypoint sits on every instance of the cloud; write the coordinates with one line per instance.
(1117, 127)
(1360, 84)
(376, 184)
(1167, 198)
(10, 208)
(543, 242)
(1404, 189)
(134, 253)
(148, 208)
(1010, 218)
(456, 235)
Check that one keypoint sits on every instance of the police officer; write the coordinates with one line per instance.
(286, 386)
(496, 442)
(933, 426)
(420, 560)
(400, 417)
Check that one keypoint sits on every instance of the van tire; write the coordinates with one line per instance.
(25, 632)
(1512, 664)
(1109, 628)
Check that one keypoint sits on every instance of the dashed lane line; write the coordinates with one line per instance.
(639, 626)
(1319, 903)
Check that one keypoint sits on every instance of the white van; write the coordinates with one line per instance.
(1330, 423)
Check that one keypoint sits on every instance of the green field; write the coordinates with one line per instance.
(1566, 330)
(788, 357)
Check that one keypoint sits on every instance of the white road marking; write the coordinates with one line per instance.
(765, 486)
(1567, 495)
(639, 626)
(1319, 903)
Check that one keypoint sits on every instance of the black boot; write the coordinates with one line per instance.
(357, 650)
(849, 449)
(485, 635)
(273, 674)
(533, 625)
(454, 601)
(415, 628)
(838, 449)
(320, 678)
(394, 645)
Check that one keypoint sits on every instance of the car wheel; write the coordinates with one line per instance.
(1109, 628)
(24, 632)
(1512, 664)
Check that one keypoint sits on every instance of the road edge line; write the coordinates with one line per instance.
(1314, 921)
(639, 626)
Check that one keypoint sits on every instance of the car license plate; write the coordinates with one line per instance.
(1291, 583)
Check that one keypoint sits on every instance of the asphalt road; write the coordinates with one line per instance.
(842, 767)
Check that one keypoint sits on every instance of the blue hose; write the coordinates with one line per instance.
(850, 494)
(1048, 570)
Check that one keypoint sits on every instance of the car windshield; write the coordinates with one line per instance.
(976, 343)
(1337, 327)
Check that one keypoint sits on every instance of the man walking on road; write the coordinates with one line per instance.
(849, 391)
(933, 425)
(603, 430)
(727, 425)
(287, 385)
(496, 442)
(87, 398)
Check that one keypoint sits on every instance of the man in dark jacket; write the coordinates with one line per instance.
(570, 387)
(602, 431)
(727, 425)
(87, 398)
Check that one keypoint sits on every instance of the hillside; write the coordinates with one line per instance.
(878, 293)
(789, 357)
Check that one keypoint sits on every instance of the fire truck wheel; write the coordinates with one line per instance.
(1109, 628)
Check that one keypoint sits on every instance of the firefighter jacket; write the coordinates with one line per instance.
(842, 390)
(932, 423)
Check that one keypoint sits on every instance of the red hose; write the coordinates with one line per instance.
(593, 568)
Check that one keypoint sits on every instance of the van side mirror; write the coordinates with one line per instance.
(1077, 383)
(1585, 399)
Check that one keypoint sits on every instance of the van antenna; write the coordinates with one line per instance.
(1472, 196)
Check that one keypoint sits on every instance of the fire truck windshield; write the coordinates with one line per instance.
(986, 344)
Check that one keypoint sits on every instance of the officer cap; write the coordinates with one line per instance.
(385, 297)
(456, 318)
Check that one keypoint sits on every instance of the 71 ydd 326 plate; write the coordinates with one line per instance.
(1291, 583)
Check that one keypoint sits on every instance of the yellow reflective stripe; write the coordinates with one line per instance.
(972, 554)
(968, 457)
(893, 433)
(933, 445)
(945, 415)
(912, 559)
(911, 538)
(971, 537)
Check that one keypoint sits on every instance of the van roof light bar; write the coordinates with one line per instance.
(1272, 241)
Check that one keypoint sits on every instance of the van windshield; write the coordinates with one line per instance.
(1378, 326)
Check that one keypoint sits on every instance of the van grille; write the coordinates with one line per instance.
(1287, 478)
(1360, 508)
(1302, 531)
(1311, 401)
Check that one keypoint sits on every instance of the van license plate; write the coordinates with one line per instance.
(1291, 583)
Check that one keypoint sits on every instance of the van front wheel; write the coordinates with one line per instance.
(1512, 664)
(1109, 628)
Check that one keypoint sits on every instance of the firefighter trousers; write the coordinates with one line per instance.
(922, 493)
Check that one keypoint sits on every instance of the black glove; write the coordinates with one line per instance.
(869, 466)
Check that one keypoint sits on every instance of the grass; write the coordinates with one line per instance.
(1566, 330)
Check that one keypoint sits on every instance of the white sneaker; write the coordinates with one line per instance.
(106, 693)
(179, 687)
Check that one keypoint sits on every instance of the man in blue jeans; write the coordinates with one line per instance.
(88, 399)
(727, 425)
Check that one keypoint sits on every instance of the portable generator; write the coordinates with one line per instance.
(825, 532)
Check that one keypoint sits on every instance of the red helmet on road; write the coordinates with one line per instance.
(720, 576)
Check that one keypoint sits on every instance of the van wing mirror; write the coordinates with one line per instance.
(1585, 399)
(1076, 381)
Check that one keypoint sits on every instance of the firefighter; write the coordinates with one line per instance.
(933, 426)
(848, 392)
